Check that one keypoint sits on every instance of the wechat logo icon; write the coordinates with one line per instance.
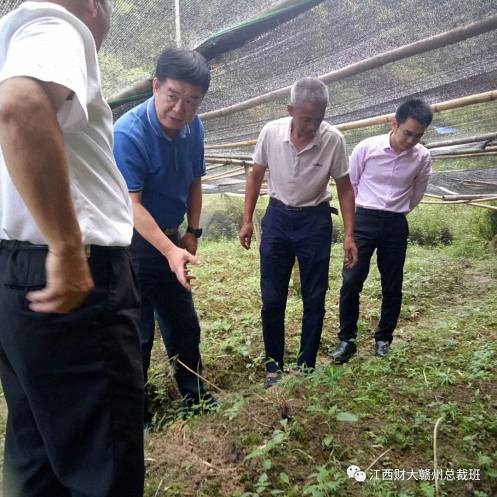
(356, 473)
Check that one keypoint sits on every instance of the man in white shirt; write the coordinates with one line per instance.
(70, 359)
(301, 154)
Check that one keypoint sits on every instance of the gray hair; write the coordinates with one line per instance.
(309, 91)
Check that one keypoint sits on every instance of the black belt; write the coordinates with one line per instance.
(170, 231)
(89, 249)
(378, 212)
(278, 203)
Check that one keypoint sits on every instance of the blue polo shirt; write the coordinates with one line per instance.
(161, 168)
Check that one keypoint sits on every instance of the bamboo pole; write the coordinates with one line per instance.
(227, 161)
(486, 197)
(214, 167)
(472, 203)
(462, 202)
(248, 143)
(463, 156)
(434, 202)
(246, 158)
(144, 86)
(431, 43)
(468, 151)
(227, 174)
(177, 19)
(455, 103)
(462, 141)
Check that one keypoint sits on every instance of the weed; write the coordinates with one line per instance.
(326, 481)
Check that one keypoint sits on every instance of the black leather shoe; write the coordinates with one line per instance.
(381, 348)
(272, 379)
(343, 352)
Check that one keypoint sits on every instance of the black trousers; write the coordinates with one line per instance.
(386, 232)
(73, 383)
(162, 296)
(288, 234)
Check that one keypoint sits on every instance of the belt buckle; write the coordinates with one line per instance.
(88, 251)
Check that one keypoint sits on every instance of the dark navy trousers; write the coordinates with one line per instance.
(288, 233)
(386, 232)
(163, 297)
(73, 382)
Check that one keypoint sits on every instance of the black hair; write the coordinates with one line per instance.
(416, 109)
(184, 65)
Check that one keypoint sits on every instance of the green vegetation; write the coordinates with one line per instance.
(299, 439)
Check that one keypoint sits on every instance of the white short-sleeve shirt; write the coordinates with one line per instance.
(301, 179)
(44, 41)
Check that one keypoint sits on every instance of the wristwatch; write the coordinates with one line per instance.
(194, 231)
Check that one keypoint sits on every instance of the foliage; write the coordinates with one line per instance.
(298, 440)
(428, 225)
(224, 220)
(486, 222)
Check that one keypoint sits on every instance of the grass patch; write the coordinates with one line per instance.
(299, 440)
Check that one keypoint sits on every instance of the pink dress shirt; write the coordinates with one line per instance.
(386, 180)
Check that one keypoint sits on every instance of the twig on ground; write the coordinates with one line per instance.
(158, 488)
(179, 361)
(378, 458)
(215, 468)
(435, 456)
(305, 454)
(261, 423)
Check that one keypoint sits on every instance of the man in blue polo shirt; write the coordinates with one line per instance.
(159, 148)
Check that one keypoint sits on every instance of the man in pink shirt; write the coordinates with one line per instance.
(389, 174)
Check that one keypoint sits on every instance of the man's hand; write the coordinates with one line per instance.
(178, 260)
(189, 242)
(349, 252)
(69, 282)
(245, 235)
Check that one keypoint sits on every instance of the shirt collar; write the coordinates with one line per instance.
(156, 125)
(288, 131)
(316, 141)
(386, 146)
(386, 142)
